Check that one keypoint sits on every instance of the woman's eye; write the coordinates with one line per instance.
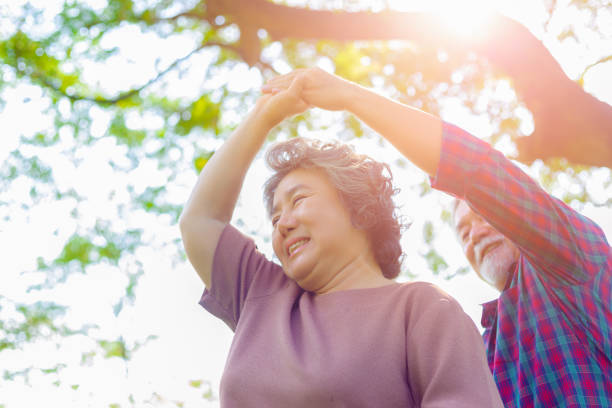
(275, 221)
(298, 199)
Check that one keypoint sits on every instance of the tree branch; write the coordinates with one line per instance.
(567, 119)
(602, 60)
(44, 80)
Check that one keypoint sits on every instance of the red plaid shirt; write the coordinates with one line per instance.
(549, 335)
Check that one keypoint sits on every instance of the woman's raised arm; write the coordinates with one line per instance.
(212, 201)
(416, 134)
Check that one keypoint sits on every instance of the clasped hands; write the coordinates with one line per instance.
(293, 93)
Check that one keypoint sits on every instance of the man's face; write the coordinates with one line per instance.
(490, 253)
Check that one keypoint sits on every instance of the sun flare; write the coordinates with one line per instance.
(466, 18)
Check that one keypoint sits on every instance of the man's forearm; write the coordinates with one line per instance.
(416, 134)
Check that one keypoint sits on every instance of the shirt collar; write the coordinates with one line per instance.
(489, 309)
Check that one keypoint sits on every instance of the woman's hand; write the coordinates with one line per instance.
(318, 88)
(275, 105)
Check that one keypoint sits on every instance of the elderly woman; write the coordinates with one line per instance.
(329, 327)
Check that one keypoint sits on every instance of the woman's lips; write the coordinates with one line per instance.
(296, 245)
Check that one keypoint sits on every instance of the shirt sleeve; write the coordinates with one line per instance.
(239, 273)
(568, 246)
(447, 364)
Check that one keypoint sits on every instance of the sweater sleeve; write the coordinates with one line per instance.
(239, 273)
(447, 365)
(569, 247)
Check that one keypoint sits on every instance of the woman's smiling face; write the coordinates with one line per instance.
(313, 236)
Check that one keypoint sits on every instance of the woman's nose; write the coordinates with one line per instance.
(286, 223)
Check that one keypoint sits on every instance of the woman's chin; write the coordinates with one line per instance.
(298, 269)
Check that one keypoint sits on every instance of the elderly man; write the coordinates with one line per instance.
(548, 336)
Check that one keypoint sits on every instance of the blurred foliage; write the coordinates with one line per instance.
(61, 56)
(31, 321)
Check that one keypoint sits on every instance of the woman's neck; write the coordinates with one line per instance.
(360, 273)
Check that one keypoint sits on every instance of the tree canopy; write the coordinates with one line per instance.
(110, 108)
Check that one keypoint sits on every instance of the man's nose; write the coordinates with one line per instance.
(479, 230)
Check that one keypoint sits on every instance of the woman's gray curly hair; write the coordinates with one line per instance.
(364, 185)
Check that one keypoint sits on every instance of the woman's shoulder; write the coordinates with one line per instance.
(238, 263)
(425, 296)
(424, 289)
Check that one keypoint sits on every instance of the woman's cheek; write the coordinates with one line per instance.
(276, 245)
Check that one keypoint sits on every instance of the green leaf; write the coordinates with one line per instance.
(436, 263)
(203, 113)
(355, 125)
(53, 370)
(130, 102)
(125, 135)
(428, 232)
(78, 249)
(113, 348)
(348, 64)
(42, 139)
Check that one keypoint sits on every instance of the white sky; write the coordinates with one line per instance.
(191, 344)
